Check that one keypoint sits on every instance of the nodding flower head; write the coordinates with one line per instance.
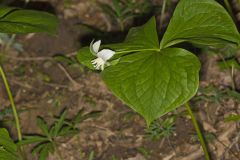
(102, 56)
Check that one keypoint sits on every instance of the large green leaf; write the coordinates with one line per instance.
(5, 10)
(5, 155)
(8, 148)
(154, 83)
(14, 20)
(143, 38)
(203, 22)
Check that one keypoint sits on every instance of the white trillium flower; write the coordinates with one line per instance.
(102, 56)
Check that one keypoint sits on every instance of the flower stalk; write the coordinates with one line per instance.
(14, 109)
(199, 133)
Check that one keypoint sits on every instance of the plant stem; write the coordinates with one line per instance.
(162, 13)
(199, 133)
(228, 6)
(14, 109)
(233, 80)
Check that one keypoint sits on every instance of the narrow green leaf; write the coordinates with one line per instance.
(117, 7)
(59, 124)
(26, 21)
(234, 94)
(81, 117)
(232, 118)
(91, 156)
(42, 125)
(66, 131)
(154, 83)
(108, 10)
(92, 114)
(5, 10)
(5, 155)
(37, 148)
(203, 22)
(8, 149)
(45, 151)
(78, 117)
(32, 139)
(6, 142)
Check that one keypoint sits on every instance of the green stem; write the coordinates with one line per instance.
(15, 114)
(233, 79)
(200, 136)
(162, 13)
(228, 6)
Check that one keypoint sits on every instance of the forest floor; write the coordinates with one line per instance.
(44, 87)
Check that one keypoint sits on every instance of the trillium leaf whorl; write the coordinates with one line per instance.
(154, 80)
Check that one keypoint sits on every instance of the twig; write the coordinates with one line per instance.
(230, 146)
(171, 145)
(55, 85)
(21, 84)
(30, 58)
(74, 83)
(199, 133)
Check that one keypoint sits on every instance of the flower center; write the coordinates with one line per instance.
(98, 63)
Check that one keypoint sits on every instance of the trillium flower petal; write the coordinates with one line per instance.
(102, 56)
(105, 54)
(96, 46)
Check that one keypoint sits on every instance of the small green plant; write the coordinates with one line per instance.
(229, 64)
(145, 152)
(214, 95)
(161, 128)
(47, 142)
(153, 77)
(80, 117)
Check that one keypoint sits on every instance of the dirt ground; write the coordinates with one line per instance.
(44, 87)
